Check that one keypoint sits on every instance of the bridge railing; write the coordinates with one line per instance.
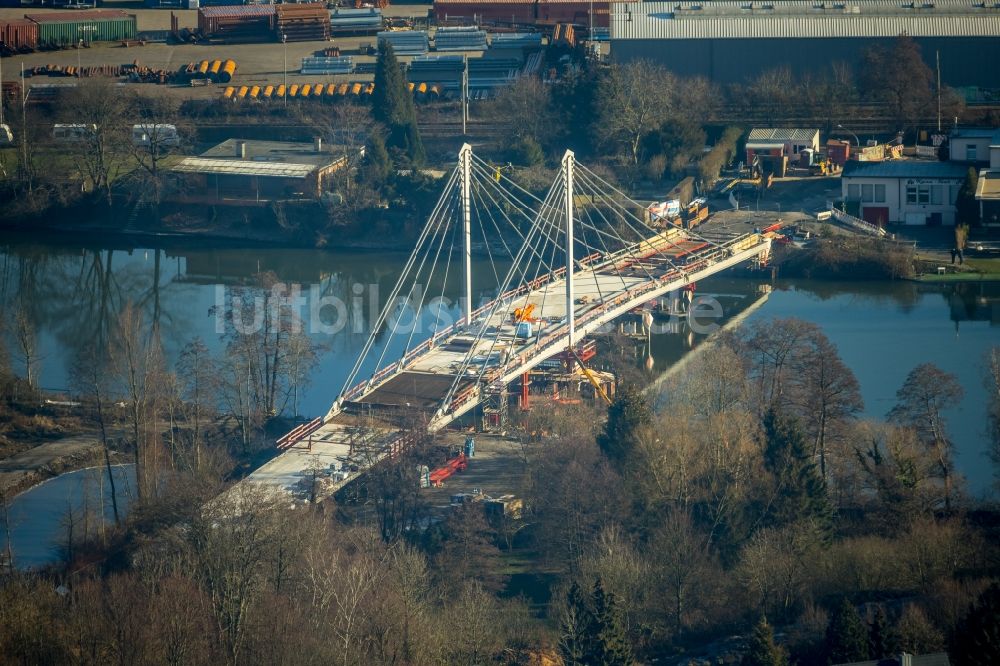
(857, 222)
(697, 260)
(299, 433)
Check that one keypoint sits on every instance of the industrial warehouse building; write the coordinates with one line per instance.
(732, 42)
(903, 191)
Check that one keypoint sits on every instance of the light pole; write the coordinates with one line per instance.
(284, 66)
(856, 139)
(82, 30)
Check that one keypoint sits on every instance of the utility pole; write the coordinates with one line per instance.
(465, 160)
(465, 93)
(937, 56)
(24, 129)
(567, 165)
(284, 67)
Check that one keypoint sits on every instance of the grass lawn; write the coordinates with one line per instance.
(982, 268)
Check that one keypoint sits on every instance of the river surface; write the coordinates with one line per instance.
(73, 293)
(43, 518)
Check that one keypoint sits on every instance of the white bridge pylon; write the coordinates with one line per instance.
(575, 259)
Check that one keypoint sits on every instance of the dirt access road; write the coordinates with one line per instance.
(25, 469)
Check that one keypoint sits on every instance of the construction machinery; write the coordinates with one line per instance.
(524, 314)
(590, 377)
(456, 464)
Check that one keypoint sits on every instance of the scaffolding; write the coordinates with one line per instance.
(495, 408)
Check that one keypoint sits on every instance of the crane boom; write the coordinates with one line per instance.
(590, 377)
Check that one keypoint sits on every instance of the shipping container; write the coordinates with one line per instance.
(298, 22)
(239, 23)
(575, 11)
(96, 25)
(499, 11)
(19, 35)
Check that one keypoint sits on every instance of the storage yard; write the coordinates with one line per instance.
(496, 469)
(301, 45)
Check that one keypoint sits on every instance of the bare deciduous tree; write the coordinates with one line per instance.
(926, 393)
(524, 108)
(827, 392)
(634, 99)
(197, 374)
(100, 105)
(90, 376)
(26, 344)
(138, 366)
(156, 115)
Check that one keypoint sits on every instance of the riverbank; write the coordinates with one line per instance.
(48, 460)
(301, 225)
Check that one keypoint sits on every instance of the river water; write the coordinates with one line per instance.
(43, 518)
(73, 293)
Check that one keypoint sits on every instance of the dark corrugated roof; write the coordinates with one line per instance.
(904, 169)
(974, 132)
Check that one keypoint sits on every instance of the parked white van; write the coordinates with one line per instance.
(160, 134)
(73, 133)
(6, 136)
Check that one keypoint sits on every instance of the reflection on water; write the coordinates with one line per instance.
(43, 518)
(883, 329)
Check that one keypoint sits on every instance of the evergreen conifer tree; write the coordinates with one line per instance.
(393, 106)
(976, 641)
(882, 641)
(762, 651)
(800, 492)
(610, 646)
(626, 415)
(575, 641)
(846, 635)
(378, 166)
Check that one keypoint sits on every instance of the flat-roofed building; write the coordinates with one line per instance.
(734, 41)
(988, 186)
(972, 144)
(903, 191)
(240, 171)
